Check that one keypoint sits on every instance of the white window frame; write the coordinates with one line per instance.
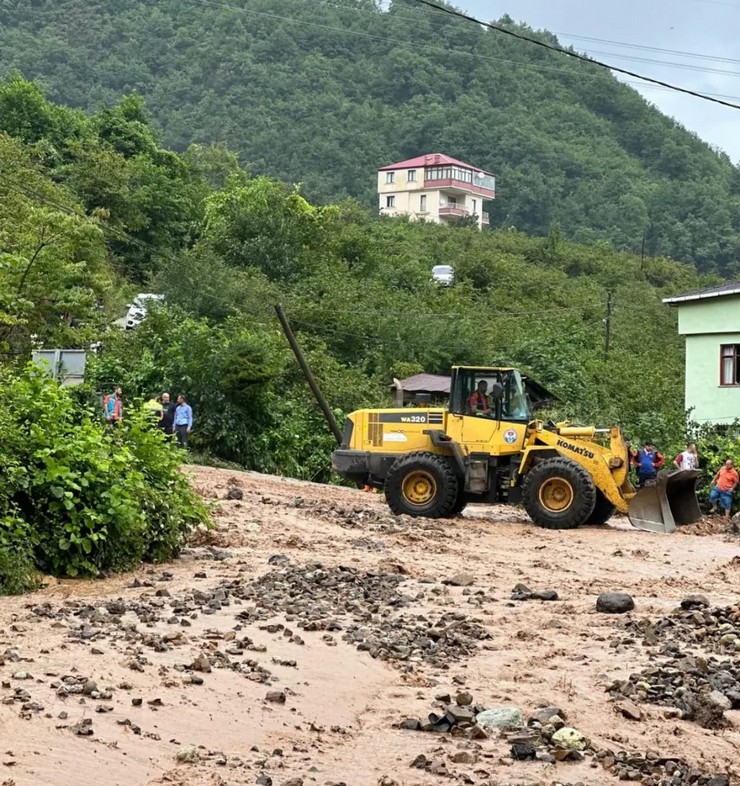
(411, 176)
(423, 203)
(390, 200)
(390, 178)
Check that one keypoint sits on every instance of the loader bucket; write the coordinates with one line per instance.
(671, 501)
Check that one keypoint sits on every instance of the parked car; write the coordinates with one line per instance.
(443, 274)
(137, 310)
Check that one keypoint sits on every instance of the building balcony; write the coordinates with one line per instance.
(446, 209)
(481, 186)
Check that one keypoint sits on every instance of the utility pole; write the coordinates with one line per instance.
(328, 414)
(608, 324)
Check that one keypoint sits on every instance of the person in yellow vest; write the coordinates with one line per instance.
(154, 408)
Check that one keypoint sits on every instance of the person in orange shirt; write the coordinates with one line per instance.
(478, 402)
(723, 486)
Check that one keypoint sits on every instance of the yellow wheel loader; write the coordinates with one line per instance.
(485, 447)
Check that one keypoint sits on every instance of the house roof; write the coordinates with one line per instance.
(432, 159)
(426, 383)
(721, 290)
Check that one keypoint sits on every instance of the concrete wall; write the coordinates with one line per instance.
(714, 315)
(710, 401)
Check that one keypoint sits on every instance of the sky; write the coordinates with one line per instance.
(708, 28)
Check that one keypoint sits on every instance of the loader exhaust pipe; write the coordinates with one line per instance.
(671, 501)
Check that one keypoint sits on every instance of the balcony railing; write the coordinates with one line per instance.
(448, 209)
(451, 209)
(452, 178)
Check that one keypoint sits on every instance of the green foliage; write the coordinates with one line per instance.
(99, 209)
(80, 497)
(326, 92)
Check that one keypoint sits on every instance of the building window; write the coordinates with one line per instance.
(390, 178)
(475, 207)
(729, 365)
(412, 175)
(390, 201)
(423, 203)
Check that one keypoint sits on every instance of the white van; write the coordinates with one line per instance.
(138, 309)
(443, 274)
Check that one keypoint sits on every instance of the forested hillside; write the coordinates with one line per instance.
(94, 209)
(322, 93)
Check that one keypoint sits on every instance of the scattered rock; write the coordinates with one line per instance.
(614, 603)
(522, 751)
(500, 718)
(83, 728)
(570, 739)
(460, 580)
(523, 592)
(188, 754)
(544, 714)
(201, 663)
(234, 492)
(630, 710)
(275, 696)
(546, 594)
(695, 602)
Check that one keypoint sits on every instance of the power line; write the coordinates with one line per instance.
(576, 56)
(450, 50)
(394, 16)
(646, 48)
(668, 64)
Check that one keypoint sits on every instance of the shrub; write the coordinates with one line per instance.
(78, 497)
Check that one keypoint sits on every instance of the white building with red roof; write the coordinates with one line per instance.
(435, 187)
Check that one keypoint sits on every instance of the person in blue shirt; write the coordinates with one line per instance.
(183, 421)
(648, 461)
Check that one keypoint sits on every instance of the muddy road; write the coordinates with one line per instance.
(290, 644)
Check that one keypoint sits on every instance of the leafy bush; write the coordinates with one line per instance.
(78, 497)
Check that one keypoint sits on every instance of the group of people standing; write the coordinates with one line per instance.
(647, 461)
(172, 418)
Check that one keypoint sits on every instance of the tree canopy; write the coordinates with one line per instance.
(322, 93)
(95, 209)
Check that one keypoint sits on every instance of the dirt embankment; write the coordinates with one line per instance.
(289, 645)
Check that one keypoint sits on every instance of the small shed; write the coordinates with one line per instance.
(437, 387)
(67, 366)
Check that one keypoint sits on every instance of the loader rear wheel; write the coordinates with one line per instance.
(603, 510)
(557, 493)
(421, 484)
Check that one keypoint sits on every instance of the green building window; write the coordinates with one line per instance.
(729, 365)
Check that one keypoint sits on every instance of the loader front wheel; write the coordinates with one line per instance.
(557, 493)
(460, 502)
(603, 510)
(422, 484)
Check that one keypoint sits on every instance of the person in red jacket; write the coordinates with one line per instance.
(648, 461)
(478, 402)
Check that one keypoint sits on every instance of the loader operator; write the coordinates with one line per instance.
(478, 402)
(648, 461)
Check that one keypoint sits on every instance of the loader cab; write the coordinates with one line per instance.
(503, 395)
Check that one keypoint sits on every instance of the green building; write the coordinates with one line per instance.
(710, 321)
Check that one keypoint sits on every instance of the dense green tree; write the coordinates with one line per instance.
(323, 93)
